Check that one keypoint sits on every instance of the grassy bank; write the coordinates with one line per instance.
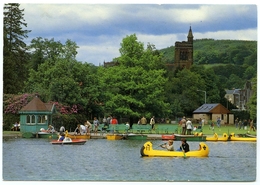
(206, 130)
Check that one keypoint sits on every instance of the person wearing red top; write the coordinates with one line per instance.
(113, 123)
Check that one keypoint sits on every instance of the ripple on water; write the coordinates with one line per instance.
(103, 160)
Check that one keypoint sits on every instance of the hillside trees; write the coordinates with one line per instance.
(15, 54)
(252, 104)
(135, 87)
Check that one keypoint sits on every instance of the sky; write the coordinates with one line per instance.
(98, 29)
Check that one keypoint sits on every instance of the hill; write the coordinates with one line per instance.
(210, 51)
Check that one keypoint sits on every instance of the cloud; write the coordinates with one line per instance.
(98, 29)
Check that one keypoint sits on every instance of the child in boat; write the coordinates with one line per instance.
(168, 146)
(61, 137)
(184, 146)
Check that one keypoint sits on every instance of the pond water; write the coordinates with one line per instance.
(104, 160)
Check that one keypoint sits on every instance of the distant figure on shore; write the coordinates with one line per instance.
(152, 122)
(183, 125)
(143, 121)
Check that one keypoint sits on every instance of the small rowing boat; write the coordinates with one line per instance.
(148, 151)
(69, 141)
(168, 137)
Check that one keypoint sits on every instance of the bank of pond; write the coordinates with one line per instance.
(197, 136)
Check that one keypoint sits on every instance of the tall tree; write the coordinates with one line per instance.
(15, 55)
(135, 87)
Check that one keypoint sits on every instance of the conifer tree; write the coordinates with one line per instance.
(15, 56)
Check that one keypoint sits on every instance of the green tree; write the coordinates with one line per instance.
(184, 89)
(252, 104)
(14, 52)
(136, 86)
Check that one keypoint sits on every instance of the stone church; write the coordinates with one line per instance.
(184, 53)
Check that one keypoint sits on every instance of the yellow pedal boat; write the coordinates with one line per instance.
(72, 136)
(147, 150)
(223, 138)
(213, 138)
(234, 138)
(114, 137)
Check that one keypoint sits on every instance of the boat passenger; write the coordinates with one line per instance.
(62, 129)
(50, 129)
(168, 146)
(88, 126)
(61, 137)
(80, 129)
(184, 146)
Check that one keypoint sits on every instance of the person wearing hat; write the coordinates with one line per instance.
(168, 146)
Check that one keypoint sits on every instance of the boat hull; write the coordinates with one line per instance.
(223, 138)
(168, 137)
(213, 138)
(148, 151)
(234, 138)
(114, 137)
(78, 136)
(72, 142)
(178, 137)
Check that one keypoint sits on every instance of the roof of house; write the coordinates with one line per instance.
(36, 105)
(233, 91)
(215, 108)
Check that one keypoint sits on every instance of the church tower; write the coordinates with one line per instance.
(184, 53)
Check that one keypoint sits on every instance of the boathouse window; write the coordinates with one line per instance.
(30, 119)
(41, 119)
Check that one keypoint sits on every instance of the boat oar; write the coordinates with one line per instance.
(184, 155)
(160, 145)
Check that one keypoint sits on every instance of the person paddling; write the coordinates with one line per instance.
(184, 146)
(168, 146)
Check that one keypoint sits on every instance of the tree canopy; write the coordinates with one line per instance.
(135, 87)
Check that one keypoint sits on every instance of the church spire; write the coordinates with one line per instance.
(190, 36)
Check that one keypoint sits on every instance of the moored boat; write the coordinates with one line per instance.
(234, 138)
(195, 137)
(69, 141)
(114, 136)
(168, 137)
(213, 138)
(250, 135)
(147, 150)
(85, 136)
(223, 138)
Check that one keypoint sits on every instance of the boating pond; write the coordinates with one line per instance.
(120, 160)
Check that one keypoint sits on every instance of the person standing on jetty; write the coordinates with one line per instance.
(152, 122)
(183, 125)
(113, 123)
(96, 124)
(189, 126)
